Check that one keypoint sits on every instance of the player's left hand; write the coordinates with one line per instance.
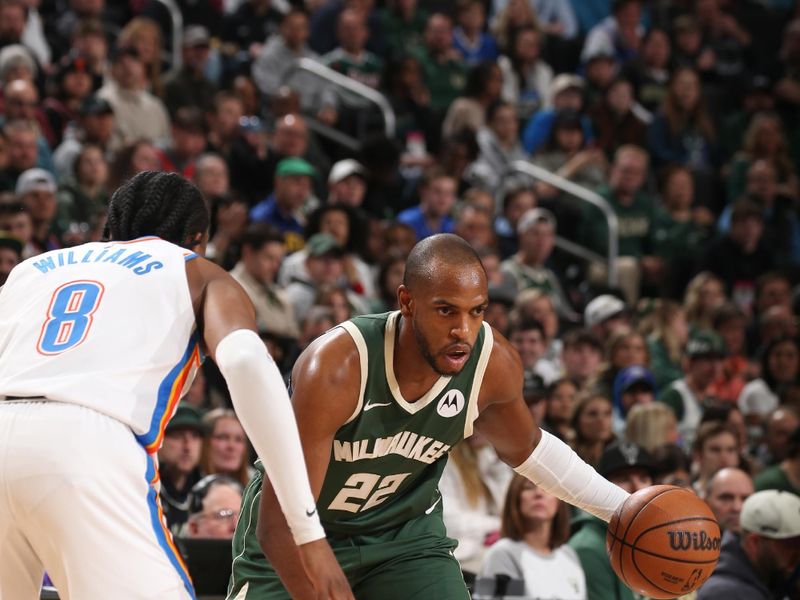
(324, 571)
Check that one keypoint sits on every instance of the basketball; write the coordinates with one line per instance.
(663, 542)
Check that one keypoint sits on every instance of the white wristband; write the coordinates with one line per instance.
(554, 467)
(265, 411)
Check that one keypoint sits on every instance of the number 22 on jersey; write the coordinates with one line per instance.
(69, 316)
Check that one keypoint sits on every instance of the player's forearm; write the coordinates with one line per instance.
(279, 547)
(264, 409)
(557, 469)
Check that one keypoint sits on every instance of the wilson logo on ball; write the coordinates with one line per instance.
(692, 540)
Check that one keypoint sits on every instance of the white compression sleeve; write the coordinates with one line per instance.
(262, 403)
(555, 468)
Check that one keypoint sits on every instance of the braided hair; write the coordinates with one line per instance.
(157, 203)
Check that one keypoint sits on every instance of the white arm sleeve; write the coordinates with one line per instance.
(555, 468)
(262, 403)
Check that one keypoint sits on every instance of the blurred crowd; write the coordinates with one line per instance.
(676, 360)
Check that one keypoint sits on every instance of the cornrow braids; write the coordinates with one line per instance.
(157, 203)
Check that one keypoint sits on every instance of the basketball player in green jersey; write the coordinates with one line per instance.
(379, 402)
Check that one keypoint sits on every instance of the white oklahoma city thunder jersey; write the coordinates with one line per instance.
(108, 325)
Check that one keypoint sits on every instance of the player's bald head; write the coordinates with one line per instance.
(439, 255)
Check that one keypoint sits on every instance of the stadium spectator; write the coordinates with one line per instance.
(93, 125)
(725, 493)
(16, 221)
(36, 189)
(592, 423)
(437, 196)
(689, 395)
(535, 529)
(470, 37)
(350, 57)
(785, 475)
(481, 92)
(527, 78)
(225, 446)
(216, 501)
(443, 70)
(758, 563)
(189, 86)
(778, 428)
(560, 404)
(715, 447)
(179, 463)
(604, 315)
(10, 254)
(631, 468)
(85, 197)
(138, 114)
(633, 386)
(668, 333)
(651, 426)
(581, 356)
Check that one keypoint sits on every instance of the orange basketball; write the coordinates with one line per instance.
(663, 542)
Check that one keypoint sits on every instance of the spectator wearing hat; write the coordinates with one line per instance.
(635, 210)
(632, 468)
(179, 460)
(347, 184)
(10, 254)
(605, 315)
(565, 93)
(725, 493)
(72, 84)
(16, 62)
(581, 356)
(214, 508)
(16, 222)
(189, 86)
(139, 115)
(786, 474)
(276, 58)
(282, 208)
(741, 255)
(36, 189)
(687, 397)
(760, 563)
(633, 386)
(325, 267)
(188, 142)
(536, 235)
(94, 125)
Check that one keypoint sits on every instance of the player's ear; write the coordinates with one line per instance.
(404, 301)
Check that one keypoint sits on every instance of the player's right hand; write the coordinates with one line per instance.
(324, 571)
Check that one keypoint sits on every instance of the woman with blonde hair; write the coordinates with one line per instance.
(592, 423)
(473, 486)
(704, 294)
(535, 529)
(651, 426)
(144, 34)
(669, 332)
(226, 450)
(625, 348)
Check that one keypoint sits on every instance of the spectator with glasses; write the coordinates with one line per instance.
(216, 501)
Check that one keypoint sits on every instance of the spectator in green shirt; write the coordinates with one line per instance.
(785, 475)
(635, 210)
(443, 69)
(351, 58)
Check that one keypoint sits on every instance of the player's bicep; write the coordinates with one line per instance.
(225, 309)
(325, 390)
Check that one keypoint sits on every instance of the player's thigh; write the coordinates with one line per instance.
(433, 574)
(21, 571)
(97, 526)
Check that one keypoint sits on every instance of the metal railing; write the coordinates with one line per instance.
(354, 87)
(586, 195)
(177, 33)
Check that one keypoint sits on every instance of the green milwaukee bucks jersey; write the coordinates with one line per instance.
(387, 459)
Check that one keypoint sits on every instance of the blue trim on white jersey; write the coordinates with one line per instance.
(164, 392)
(190, 256)
(158, 527)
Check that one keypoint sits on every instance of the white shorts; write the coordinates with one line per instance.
(78, 498)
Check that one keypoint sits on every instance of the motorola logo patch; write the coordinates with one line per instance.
(451, 404)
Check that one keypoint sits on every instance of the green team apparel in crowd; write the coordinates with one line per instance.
(635, 225)
(380, 504)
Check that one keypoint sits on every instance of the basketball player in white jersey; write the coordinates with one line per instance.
(97, 345)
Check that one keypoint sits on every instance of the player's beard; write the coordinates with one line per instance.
(427, 353)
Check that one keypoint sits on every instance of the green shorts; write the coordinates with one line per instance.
(414, 560)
